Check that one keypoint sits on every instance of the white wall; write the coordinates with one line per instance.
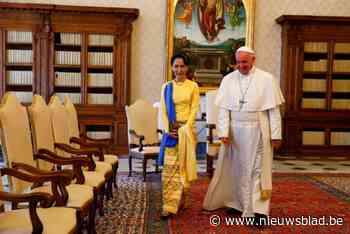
(149, 35)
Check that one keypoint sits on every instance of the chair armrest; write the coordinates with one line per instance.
(92, 144)
(86, 151)
(102, 147)
(37, 171)
(78, 141)
(45, 200)
(104, 144)
(59, 180)
(52, 157)
(140, 137)
(77, 162)
(56, 177)
(70, 149)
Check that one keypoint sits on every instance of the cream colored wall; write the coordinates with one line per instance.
(149, 35)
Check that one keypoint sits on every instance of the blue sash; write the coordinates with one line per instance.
(167, 140)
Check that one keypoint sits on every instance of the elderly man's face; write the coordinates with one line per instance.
(245, 62)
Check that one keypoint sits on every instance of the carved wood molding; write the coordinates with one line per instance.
(130, 13)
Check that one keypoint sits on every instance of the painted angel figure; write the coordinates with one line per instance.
(235, 12)
(211, 18)
(186, 16)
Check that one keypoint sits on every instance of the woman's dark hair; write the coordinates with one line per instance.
(180, 56)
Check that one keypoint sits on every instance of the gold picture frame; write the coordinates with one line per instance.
(195, 17)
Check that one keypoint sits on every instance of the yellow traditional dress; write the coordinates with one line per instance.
(180, 162)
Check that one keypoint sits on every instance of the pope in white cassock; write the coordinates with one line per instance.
(249, 126)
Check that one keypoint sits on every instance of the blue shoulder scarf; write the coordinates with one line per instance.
(167, 140)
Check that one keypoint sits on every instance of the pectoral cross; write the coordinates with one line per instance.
(241, 103)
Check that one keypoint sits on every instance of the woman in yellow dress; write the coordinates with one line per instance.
(179, 103)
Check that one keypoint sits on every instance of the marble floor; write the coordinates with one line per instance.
(280, 164)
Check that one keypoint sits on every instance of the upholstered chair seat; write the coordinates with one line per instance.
(56, 220)
(146, 150)
(79, 195)
(102, 167)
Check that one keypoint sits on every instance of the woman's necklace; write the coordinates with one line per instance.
(242, 100)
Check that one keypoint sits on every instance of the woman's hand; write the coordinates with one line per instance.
(174, 130)
(174, 134)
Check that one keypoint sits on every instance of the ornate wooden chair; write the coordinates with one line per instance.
(213, 144)
(41, 120)
(36, 220)
(60, 126)
(142, 119)
(17, 145)
(81, 196)
(84, 141)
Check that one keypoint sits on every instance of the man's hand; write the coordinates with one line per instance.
(276, 144)
(225, 140)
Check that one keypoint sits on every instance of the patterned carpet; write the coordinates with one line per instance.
(126, 212)
(339, 182)
(302, 196)
(136, 206)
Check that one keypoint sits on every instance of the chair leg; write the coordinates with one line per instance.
(115, 174)
(106, 188)
(91, 221)
(110, 186)
(101, 197)
(79, 222)
(157, 167)
(92, 214)
(144, 167)
(130, 165)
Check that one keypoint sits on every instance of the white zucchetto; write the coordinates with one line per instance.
(245, 49)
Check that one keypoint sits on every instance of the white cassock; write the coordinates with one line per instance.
(249, 114)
